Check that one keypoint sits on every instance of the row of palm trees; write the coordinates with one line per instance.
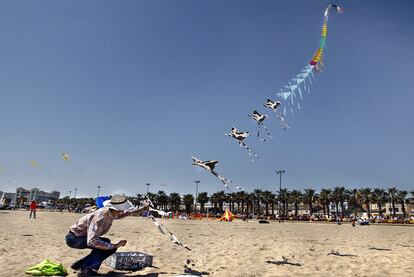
(261, 202)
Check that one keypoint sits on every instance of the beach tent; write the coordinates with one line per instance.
(99, 201)
(227, 216)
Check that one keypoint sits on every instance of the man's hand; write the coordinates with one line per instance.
(120, 243)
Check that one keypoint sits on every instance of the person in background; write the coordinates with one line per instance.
(33, 207)
(87, 232)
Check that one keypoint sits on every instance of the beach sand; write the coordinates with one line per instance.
(218, 248)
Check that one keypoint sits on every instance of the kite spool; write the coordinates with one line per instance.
(129, 260)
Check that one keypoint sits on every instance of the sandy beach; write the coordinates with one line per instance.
(218, 248)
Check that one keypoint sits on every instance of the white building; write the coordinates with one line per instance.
(6, 198)
(24, 196)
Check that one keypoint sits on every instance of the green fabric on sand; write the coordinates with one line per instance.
(47, 268)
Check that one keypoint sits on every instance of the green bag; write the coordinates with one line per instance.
(47, 268)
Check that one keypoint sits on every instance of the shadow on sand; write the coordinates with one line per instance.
(336, 253)
(195, 272)
(283, 263)
(379, 249)
(123, 274)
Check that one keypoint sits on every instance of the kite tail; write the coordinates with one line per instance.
(252, 154)
(283, 123)
(267, 130)
(315, 64)
(225, 181)
(161, 227)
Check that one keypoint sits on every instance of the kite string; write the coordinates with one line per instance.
(160, 226)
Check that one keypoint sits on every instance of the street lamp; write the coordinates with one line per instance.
(70, 194)
(148, 184)
(76, 190)
(195, 201)
(99, 188)
(280, 172)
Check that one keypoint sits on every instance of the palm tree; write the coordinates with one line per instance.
(188, 201)
(258, 197)
(138, 196)
(202, 198)
(295, 197)
(392, 192)
(379, 196)
(238, 200)
(221, 198)
(341, 195)
(308, 197)
(175, 201)
(284, 198)
(153, 198)
(411, 199)
(242, 196)
(325, 200)
(267, 197)
(354, 202)
(214, 198)
(231, 199)
(366, 194)
(273, 204)
(401, 195)
(162, 199)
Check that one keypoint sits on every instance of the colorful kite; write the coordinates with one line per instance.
(240, 136)
(34, 163)
(259, 118)
(302, 81)
(68, 159)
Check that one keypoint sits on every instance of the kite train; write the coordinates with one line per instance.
(302, 81)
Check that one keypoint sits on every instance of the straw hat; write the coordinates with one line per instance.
(118, 202)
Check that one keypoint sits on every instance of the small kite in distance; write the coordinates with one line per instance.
(34, 163)
(68, 159)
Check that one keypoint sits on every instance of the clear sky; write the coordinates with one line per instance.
(132, 89)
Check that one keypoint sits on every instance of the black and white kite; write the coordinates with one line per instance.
(273, 105)
(209, 166)
(240, 137)
(259, 118)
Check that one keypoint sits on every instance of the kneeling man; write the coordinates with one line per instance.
(87, 232)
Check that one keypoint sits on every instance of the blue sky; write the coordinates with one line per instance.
(132, 89)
